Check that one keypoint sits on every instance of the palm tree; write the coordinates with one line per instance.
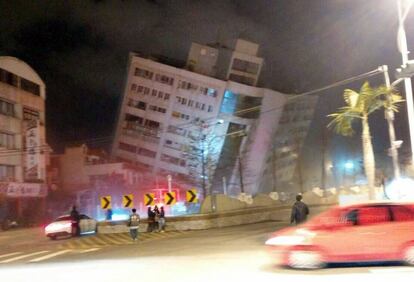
(358, 107)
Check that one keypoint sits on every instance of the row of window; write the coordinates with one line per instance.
(172, 160)
(193, 87)
(192, 103)
(133, 120)
(143, 106)
(173, 145)
(137, 150)
(179, 115)
(165, 79)
(147, 91)
(245, 66)
(242, 79)
(19, 82)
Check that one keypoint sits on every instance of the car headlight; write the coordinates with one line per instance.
(57, 226)
(285, 240)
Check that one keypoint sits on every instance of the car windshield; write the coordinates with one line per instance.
(63, 218)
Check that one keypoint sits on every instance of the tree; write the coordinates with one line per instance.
(358, 107)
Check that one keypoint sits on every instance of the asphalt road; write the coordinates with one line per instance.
(225, 254)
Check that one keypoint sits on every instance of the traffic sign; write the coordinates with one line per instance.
(169, 198)
(149, 199)
(127, 201)
(191, 196)
(106, 202)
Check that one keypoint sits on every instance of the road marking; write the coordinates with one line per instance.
(23, 256)
(89, 250)
(50, 256)
(10, 254)
(114, 238)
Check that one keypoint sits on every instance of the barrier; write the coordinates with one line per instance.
(215, 220)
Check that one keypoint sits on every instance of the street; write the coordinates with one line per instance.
(232, 253)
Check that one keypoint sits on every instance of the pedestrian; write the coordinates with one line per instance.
(300, 211)
(151, 220)
(161, 221)
(74, 214)
(133, 224)
(156, 218)
(109, 214)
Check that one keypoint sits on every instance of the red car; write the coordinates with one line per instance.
(355, 233)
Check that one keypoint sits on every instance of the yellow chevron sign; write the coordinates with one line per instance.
(169, 198)
(149, 199)
(106, 202)
(191, 196)
(128, 201)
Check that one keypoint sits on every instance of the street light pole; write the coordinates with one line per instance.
(402, 46)
(389, 116)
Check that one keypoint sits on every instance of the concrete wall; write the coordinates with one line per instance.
(215, 220)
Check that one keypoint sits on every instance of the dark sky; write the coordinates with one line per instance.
(80, 48)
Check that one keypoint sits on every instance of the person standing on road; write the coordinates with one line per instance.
(156, 212)
(161, 221)
(133, 224)
(74, 214)
(300, 211)
(151, 220)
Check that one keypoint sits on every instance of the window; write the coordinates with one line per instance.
(142, 105)
(203, 106)
(29, 86)
(176, 114)
(184, 101)
(146, 90)
(127, 147)
(164, 79)
(133, 87)
(160, 94)
(6, 172)
(166, 96)
(29, 114)
(140, 89)
(146, 153)
(190, 103)
(173, 145)
(143, 73)
(154, 93)
(6, 140)
(210, 108)
(152, 123)
(8, 77)
(245, 66)
(402, 213)
(176, 130)
(212, 92)
(6, 108)
(172, 160)
(373, 215)
(241, 79)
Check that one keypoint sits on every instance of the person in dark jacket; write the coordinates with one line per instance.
(151, 220)
(300, 211)
(74, 214)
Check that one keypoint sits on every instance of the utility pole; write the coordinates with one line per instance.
(389, 116)
(273, 170)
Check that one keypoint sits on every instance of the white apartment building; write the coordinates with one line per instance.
(159, 107)
(165, 109)
(23, 148)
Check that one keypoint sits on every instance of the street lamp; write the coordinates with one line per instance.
(402, 47)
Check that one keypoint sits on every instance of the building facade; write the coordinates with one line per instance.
(23, 148)
(208, 124)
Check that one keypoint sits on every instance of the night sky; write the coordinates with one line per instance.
(80, 49)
